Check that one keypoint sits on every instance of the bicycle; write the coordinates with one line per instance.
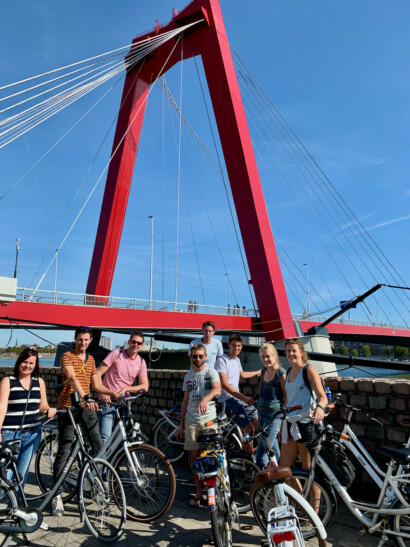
(389, 517)
(212, 467)
(100, 494)
(166, 428)
(281, 512)
(147, 476)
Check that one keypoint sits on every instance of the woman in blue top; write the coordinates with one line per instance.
(299, 429)
(22, 399)
(271, 397)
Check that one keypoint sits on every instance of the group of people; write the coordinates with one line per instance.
(212, 374)
(192, 306)
(23, 398)
(236, 310)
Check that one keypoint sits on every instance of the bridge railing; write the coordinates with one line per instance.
(77, 299)
(80, 299)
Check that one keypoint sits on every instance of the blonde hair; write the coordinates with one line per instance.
(299, 343)
(269, 348)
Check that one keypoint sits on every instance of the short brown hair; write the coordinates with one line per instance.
(299, 343)
(197, 347)
(209, 324)
(236, 338)
(137, 333)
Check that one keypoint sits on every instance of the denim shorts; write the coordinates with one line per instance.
(242, 414)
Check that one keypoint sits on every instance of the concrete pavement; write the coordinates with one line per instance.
(182, 526)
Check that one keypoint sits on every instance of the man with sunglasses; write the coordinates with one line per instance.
(120, 369)
(201, 386)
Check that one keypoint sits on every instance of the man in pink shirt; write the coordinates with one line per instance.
(121, 368)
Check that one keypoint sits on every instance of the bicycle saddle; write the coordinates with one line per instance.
(273, 473)
(401, 455)
(211, 437)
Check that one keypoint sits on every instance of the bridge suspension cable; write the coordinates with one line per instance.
(267, 116)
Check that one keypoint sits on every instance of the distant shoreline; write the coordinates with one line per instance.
(15, 355)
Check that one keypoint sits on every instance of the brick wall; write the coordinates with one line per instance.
(389, 396)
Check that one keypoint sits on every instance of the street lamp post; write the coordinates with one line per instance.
(226, 275)
(55, 279)
(152, 259)
(307, 289)
(17, 256)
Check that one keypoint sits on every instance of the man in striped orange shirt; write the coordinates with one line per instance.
(77, 371)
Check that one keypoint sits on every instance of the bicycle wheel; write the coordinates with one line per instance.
(8, 502)
(232, 443)
(325, 502)
(44, 464)
(101, 500)
(242, 471)
(263, 499)
(221, 522)
(150, 489)
(163, 430)
(401, 525)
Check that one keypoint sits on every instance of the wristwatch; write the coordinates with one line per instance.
(320, 406)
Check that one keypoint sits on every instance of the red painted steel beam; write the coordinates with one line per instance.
(104, 318)
(210, 41)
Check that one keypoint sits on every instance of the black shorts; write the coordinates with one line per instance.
(308, 433)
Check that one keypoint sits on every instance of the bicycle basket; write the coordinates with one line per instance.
(336, 458)
(208, 462)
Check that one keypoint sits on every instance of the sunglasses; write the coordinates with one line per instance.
(198, 356)
(137, 343)
(85, 328)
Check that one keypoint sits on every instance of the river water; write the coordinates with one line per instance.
(365, 373)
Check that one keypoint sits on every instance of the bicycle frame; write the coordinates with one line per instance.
(359, 508)
(365, 459)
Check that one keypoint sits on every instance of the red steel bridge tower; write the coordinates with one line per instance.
(208, 39)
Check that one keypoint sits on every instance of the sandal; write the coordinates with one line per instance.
(195, 501)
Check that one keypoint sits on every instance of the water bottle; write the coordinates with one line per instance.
(328, 394)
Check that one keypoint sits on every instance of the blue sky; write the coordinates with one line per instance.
(337, 72)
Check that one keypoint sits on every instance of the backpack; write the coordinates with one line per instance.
(334, 454)
(306, 379)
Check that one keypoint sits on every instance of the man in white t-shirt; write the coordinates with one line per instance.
(201, 386)
(121, 368)
(213, 347)
(230, 372)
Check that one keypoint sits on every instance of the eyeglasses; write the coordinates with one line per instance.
(137, 343)
(197, 356)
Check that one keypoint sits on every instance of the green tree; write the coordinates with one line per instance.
(387, 352)
(355, 353)
(366, 351)
(343, 350)
(400, 352)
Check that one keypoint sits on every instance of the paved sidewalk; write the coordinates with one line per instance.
(182, 526)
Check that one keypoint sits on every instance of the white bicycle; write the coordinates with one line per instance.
(283, 514)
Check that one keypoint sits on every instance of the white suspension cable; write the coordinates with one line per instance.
(104, 170)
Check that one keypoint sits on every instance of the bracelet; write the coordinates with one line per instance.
(320, 406)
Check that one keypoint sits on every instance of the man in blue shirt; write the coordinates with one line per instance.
(213, 347)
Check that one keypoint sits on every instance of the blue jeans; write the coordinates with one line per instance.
(106, 419)
(30, 443)
(261, 452)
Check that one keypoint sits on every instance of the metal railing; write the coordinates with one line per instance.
(77, 299)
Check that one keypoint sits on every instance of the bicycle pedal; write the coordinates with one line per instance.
(362, 532)
(44, 526)
(247, 527)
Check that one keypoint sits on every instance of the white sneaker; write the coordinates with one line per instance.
(57, 507)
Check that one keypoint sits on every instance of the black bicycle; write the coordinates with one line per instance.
(100, 494)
